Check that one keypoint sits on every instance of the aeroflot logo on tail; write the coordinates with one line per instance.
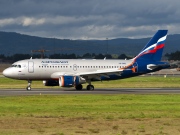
(49, 61)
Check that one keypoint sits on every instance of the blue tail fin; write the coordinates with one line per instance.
(154, 48)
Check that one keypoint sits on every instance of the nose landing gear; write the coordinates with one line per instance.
(29, 85)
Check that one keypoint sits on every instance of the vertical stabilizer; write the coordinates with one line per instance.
(154, 48)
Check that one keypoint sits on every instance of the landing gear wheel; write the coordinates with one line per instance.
(79, 87)
(29, 85)
(28, 88)
(90, 87)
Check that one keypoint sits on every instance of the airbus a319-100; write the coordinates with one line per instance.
(75, 72)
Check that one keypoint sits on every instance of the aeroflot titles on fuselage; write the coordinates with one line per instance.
(48, 61)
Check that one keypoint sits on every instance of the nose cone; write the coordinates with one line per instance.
(7, 73)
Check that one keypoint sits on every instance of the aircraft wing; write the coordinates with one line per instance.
(101, 73)
(92, 74)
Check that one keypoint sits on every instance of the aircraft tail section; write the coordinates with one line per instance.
(154, 48)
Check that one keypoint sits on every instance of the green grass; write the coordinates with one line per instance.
(135, 82)
(92, 106)
(92, 114)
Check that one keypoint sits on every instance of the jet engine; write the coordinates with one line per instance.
(70, 81)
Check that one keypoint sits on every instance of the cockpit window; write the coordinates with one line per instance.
(16, 66)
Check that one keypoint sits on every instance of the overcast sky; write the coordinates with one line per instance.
(89, 19)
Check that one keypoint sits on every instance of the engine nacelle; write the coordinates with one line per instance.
(70, 81)
(51, 83)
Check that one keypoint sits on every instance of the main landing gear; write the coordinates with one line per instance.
(29, 85)
(89, 86)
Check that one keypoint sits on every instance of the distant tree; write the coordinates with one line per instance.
(37, 56)
(17, 57)
(62, 56)
(93, 55)
(108, 56)
(123, 56)
(173, 56)
(55, 56)
(99, 56)
(87, 55)
(71, 56)
(2, 56)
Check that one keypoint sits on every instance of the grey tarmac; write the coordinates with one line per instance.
(51, 91)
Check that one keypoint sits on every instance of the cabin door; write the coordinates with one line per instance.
(31, 66)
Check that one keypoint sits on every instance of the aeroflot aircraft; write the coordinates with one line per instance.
(74, 73)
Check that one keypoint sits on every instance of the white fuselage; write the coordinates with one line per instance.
(42, 69)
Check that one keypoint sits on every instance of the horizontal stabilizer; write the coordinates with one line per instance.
(153, 66)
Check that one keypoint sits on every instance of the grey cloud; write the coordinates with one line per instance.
(89, 19)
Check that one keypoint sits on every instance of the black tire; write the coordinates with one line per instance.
(28, 88)
(90, 87)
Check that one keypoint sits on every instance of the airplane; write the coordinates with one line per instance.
(75, 72)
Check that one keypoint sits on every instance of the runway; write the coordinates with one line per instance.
(21, 92)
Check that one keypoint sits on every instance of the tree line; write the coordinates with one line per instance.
(17, 57)
(173, 55)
